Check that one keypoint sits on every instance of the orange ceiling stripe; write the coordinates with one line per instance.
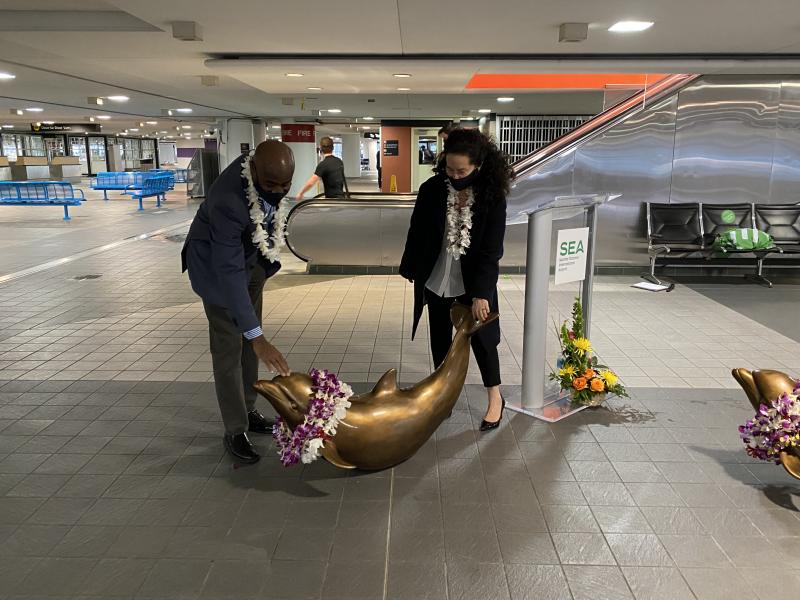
(558, 81)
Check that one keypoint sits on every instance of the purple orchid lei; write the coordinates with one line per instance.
(330, 399)
(775, 428)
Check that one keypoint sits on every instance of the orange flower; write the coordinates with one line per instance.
(597, 385)
(589, 373)
(579, 383)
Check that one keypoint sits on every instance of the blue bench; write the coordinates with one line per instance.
(41, 193)
(126, 181)
(155, 185)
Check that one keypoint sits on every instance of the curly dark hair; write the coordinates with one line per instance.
(495, 174)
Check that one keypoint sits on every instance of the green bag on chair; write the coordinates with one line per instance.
(742, 239)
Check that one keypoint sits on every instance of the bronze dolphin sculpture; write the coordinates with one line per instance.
(388, 425)
(762, 387)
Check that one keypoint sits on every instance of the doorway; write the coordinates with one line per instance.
(77, 147)
(425, 149)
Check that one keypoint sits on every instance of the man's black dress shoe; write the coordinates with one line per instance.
(240, 447)
(258, 423)
(489, 425)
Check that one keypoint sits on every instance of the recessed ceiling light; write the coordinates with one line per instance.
(4, 75)
(630, 26)
(368, 118)
(484, 110)
(294, 74)
(505, 99)
(403, 75)
(91, 119)
(403, 89)
(184, 110)
(134, 129)
(163, 132)
(334, 110)
(103, 117)
(8, 127)
(315, 89)
(366, 127)
(186, 126)
(118, 98)
(48, 122)
(275, 127)
(34, 109)
(152, 122)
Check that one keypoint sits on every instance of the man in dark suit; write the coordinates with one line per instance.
(228, 271)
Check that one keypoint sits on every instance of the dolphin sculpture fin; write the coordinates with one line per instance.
(386, 384)
(478, 326)
(331, 454)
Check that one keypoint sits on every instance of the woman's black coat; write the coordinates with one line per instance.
(479, 266)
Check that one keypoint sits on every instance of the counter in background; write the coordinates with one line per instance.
(27, 168)
(65, 168)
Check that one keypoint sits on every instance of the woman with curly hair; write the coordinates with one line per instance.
(453, 250)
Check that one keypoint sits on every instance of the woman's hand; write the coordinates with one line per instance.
(480, 309)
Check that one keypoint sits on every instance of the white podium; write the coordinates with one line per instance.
(559, 268)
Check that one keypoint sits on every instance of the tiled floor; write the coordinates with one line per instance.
(113, 481)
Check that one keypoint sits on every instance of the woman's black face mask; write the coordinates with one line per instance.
(464, 182)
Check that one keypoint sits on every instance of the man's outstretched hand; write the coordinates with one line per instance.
(270, 356)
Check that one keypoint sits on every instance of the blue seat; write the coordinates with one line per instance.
(127, 181)
(41, 193)
(153, 185)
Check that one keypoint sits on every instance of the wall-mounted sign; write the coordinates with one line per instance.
(391, 148)
(372, 135)
(296, 132)
(244, 147)
(571, 255)
(65, 128)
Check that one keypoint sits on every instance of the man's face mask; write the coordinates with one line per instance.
(273, 198)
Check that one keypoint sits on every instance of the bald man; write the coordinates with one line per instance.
(228, 271)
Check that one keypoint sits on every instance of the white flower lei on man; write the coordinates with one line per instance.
(459, 221)
(270, 245)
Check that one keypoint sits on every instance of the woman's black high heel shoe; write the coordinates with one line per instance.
(489, 425)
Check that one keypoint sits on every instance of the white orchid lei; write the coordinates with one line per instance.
(459, 221)
(330, 399)
(269, 245)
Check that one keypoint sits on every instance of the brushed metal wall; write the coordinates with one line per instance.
(720, 139)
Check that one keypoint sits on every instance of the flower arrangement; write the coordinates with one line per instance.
(330, 399)
(578, 370)
(775, 428)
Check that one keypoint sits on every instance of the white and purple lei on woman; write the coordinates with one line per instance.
(328, 406)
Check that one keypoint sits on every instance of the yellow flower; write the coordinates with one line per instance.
(610, 377)
(582, 345)
(567, 370)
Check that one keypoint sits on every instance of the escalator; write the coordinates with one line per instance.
(687, 138)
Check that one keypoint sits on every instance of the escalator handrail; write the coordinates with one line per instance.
(404, 201)
(601, 122)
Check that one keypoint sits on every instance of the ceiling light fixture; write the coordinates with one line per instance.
(186, 126)
(35, 109)
(134, 129)
(275, 127)
(17, 111)
(334, 110)
(152, 122)
(8, 127)
(4, 75)
(184, 110)
(484, 111)
(505, 99)
(367, 118)
(402, 75)
(403, 89)
(48, 122)
(630, 26)
(315, 89)
(103, 117)
(118, 98)
(294, 75)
